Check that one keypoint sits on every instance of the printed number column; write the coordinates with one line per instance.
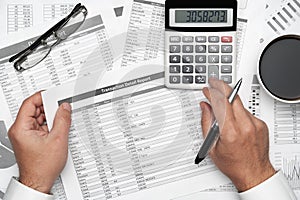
(121, 109)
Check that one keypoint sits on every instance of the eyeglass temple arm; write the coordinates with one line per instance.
(47, 34)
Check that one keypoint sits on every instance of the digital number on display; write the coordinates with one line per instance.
(201, 16)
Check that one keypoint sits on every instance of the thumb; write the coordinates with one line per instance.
(207, 117)
(62, 121)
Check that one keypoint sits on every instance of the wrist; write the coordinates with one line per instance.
(36, 184)
(254, 178)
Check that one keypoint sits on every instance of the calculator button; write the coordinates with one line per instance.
(227, 79)
(201, 39)
(187, 48)
(175, 79)
(226, 39)
(213, 39)
(187, 79)
(174, 69)
(187, 39)
(175, 39)
(175, 59)
(213, 59)
(226, 69)
(200, 49)
(200, 59)
(200, 79)
(187, 69)
(213, 71)
(175, 48)
(213, 49)
(187, 59)
(200, 69)
(226, 49)
(226, 59)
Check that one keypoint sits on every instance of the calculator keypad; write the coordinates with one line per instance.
(195, 59)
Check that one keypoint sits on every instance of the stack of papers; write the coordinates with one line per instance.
(131, 138)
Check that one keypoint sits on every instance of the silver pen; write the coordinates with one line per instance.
(214, 133)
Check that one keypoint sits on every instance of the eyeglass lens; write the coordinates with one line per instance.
(72, 25)
(34, 58)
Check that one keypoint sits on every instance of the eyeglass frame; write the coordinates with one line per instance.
(22, 56)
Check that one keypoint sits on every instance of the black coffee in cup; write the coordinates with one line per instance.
(279, 68)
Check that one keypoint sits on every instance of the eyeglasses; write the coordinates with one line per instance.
(40, 49)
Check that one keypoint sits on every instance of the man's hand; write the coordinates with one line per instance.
(41, 155)
(242, 150)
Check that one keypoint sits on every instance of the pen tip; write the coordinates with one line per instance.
(238, 84)
(198, 160)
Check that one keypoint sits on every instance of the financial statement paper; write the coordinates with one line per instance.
(132, 140)
(92, 43)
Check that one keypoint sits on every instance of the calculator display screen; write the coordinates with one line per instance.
(201, 16)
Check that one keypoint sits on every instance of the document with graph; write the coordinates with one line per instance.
(282, 17)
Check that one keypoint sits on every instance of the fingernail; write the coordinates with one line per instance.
(66, 106)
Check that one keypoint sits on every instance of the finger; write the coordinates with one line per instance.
(62, 122)
(30, 105)
(237, 106)
(44, 128)
(220, 85)
(38, 112)
(223, 88)
(42, 109)
(217, 100)
(206, 93)
(222, 110)
(207, 118)
(219, 104)
(41, 119)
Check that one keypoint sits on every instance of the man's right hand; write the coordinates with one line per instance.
(242, 150)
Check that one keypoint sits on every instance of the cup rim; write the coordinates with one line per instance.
(262, 51)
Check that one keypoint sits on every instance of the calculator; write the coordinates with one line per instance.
(200, 42)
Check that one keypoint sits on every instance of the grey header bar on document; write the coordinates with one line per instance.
(112, 88)
(117, 99)
(150, 3)
(16, 48)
